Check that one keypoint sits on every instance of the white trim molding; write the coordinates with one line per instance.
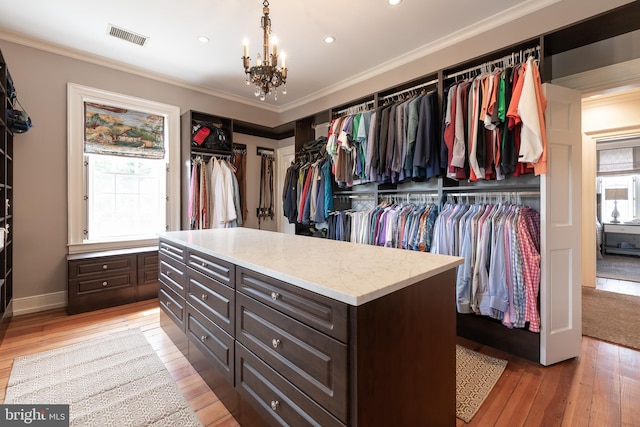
(76, 96)
(36, 303)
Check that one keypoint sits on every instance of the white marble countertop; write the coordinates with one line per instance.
(352, 273)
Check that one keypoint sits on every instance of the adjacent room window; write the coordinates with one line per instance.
(618, 178)
(123, 174)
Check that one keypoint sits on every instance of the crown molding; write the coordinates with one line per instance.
(515, 12)
(119, 66)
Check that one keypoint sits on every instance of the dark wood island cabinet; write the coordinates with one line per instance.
(346, 341)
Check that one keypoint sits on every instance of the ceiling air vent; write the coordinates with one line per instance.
(127, 35)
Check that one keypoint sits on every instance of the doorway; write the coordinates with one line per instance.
(613, 123)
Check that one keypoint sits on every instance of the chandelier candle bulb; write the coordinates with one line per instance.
(246, 47)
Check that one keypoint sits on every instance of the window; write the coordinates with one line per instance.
(123, 170)
(126, 197)
(618, 178)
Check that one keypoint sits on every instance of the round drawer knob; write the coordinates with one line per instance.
(168, 273)
(104, 283)
(204, 264)
(168, 303)
(105, 266)
(275, 296)
(275, 343)
(274, 405)
(205, 297)
(203, 338)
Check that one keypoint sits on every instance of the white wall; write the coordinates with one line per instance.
(40, 155)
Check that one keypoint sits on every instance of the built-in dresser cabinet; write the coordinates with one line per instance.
(108, 278)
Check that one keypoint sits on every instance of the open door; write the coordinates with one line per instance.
(561, 228)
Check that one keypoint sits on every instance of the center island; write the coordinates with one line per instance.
(295, 330)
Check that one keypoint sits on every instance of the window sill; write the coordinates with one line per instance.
(79, 248)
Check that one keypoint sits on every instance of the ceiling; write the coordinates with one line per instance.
(371, 37)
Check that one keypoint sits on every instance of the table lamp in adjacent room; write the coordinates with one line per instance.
(615, 194)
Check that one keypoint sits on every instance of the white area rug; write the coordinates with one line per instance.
(112, 381)
(476, 374)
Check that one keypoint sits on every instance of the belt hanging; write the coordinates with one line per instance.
(266, 180)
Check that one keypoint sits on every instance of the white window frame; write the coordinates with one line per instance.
(77, 95)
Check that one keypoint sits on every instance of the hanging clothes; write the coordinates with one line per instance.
(307, 194)
(402, 226)
(214, 195)
(500, 276)
(485, 119)
(265, 203)
(239, 160)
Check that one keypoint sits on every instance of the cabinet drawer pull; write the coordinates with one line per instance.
(275, 296)
(205, 297)
(104, 283)
(168, 303)
(275, 343)
(105, 266)
(168, 273)
(204, 264)
(274, 405)
(203, 338)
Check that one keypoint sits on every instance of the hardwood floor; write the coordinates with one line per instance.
(600, 388)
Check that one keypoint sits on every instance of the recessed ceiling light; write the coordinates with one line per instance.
(329, 39)
(394, 2)
(203, 39)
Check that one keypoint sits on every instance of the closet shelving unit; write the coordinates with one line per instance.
(559, 297)
(6, 200)
(189, 152)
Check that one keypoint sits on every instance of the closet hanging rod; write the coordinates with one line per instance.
(203, 154)
(356, 196)
(509, 58)
(262, 151)
(402, 92)
(414, 191)
(494, 193)
(354, 108)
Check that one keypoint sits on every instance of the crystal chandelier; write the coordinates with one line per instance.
(265, 75)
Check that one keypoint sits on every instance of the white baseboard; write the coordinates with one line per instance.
(39, 303)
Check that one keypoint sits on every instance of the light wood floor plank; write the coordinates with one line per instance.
(606, 398)
(599, 388)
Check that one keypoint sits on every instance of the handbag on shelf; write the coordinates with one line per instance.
(18, 121)
(210, 136)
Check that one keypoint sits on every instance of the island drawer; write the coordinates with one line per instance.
(319, 312)
(214, 300)
(172, 273)
(213, 342)
(217, 269)
(172, 250)
(172, 305)
(274, 397)
(310, 360)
